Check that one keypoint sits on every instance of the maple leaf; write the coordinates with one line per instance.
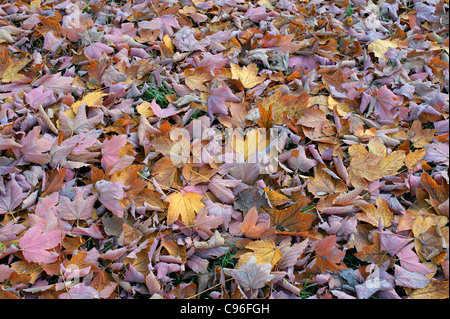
(217, 98)
(250, 227)
(251, 275)
(299, 161)
(110, 195)
(323, 183)
(216, 240)
(165, 24)
(81, 208)
(290, 254)
(363, 165)
(291, 218)
(276, 198)
(437, 192)
(248, 75)
(265, 251)
(7, 143)
(10, 73)
(412, 158)
(410, 261)
(221, 188)
(386, 101)
(328, 255)
(35, 244)
(11, 197)
(110, 150)
(410, 279)
(80, 291)
(195, 79)
(392, 243)
(373, 253)
(186, 205)
(196, 175)
(170, 110)
(437, 153)
(166, 173)
(379, 47)
(434, 290)
(79, 124)
(286, 108)
(203, 223)
(390, 164)
(93, 99)
(374, 215)
(34, 148)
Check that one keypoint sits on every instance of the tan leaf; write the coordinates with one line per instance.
(195, 79)
(364, 164)
(11, 72)
(434, 290)
(324, 184)
(251, 275)
(412, 158)
(392, 163)
(376, 146)
(373, 215)
(166, 173)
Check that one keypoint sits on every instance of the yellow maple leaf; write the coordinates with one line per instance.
(364, 164)
(373, 215)
(145, 109)
(380, 47)
(248, 75)
(186, 205)
(93, 99)
(265, 251)
(390, 164)
(413, 158)
(11, 72)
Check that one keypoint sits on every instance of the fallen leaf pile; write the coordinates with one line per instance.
(97, 199)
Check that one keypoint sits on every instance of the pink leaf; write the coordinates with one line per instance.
(217, 98)
(80, 291)
(81, 124)
(111, 148)
(386, 101)
(110, 194)
(170, 110)
(7, 143)
(410, 279)
(392, 243)
(96, 50)
(80, 208)
(35, 243)
(11, 198)
(221, 188)
(204, 223)
(165, 24)
(34, 147)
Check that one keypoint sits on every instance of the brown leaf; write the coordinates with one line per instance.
(324, 184)
(364, 164)
(55, 180)
(291, 218)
